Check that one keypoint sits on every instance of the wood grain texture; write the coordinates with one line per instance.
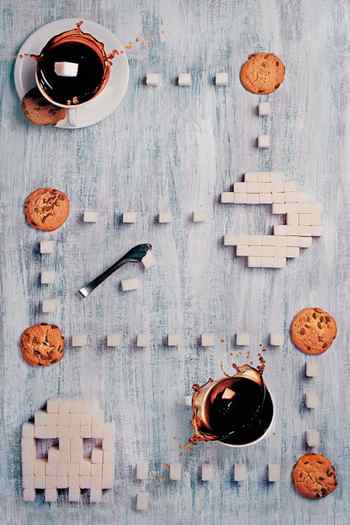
(178, 149)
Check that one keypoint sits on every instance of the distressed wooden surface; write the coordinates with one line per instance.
(178, 149)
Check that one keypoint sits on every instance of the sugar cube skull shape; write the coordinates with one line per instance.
(68, 429)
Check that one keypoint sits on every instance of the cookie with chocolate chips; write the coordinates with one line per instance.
(42, 344)
(262, 73)
(46, 209)
(313, 330)
(39, 110)
(314, 476)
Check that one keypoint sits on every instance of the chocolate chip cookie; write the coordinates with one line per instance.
(39, 110)
(46, 209)
(314, 476)
(262, 73)
(42, 344)
(313, 330)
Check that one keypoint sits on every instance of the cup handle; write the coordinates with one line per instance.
(73, 117)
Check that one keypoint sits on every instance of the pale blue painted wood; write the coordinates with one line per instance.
(178, 149)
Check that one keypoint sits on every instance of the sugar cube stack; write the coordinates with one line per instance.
(303, 217)
(66, 467)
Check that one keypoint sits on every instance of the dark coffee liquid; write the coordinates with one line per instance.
(245, 417)
(71, 90)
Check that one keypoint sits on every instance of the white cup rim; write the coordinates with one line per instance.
(65, 106)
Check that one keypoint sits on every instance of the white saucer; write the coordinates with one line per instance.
(106, 102)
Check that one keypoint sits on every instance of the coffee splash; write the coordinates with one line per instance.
(236, 409)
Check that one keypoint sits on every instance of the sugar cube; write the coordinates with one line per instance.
(79, 340)
(164, 217)
(64, 406)
(85, 467)
(142, 471)
(240, 187)
(28, 430)
(45, 432)
(254, 262)
(292, 219)
(28, 482)
(264, 109)
(84, 482)
(96, 470)
(240, 472)
(113, 340)
(66, 69)
(175, 471)
(50, 482)
(48, 306)
(51, 469)
(221, 79)
(252, 198)
(128, 285)
(50, 494)
(142, 501)
(153, 79)
(27, 466)
(207, 340)
(53, 455)
(311, 369)
(173, 340)
(47, 247)
(265, 198)
(311, 400)
(90, 216)
(96, 455)
(29, 494)
(312, 438)
(148, 260)
(62, 482)
(264, 141)
(39, 482)
(199, 216)
(47, 277)
(142, 340)
(276, 339)
(73, 469)
(107, 457)
(129, 217)
(242, 339)
(95, 495)
(74, 494)
(273, 472)
(228, 394)
(184, 79)
(207, 472)
(227, 197)
(42, 418)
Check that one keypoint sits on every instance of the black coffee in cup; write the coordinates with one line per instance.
(245, 416)
(73, 47)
